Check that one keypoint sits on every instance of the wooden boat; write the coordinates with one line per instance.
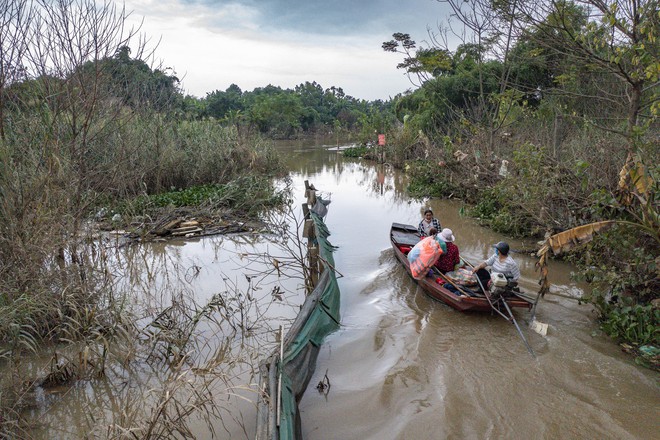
(404, 237)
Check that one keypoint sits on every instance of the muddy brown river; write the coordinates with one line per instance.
(402, 365)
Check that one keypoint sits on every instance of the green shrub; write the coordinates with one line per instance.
(629, 322)
(355, 151)
(428, 179)
(619, 262)
(487, 206)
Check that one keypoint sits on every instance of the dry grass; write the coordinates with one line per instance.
(159, 363)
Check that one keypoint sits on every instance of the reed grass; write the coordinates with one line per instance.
(184, 363)
(56, 286)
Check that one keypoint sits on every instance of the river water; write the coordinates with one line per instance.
(401, 366)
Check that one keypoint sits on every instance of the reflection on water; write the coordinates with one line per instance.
(401, 365)
(404, 366)
(203, 314)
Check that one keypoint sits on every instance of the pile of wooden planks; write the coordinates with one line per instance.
(178, 227)
(185, 227)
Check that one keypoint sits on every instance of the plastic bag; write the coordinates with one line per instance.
(424, 255)
(320, 208)
(462, 276)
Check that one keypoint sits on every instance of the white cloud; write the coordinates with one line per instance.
(213, 47)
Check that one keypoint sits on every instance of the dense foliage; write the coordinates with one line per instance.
(546, 118)
(286, 113)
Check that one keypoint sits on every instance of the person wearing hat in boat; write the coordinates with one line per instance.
(450, 259)
(501, 262)
(427, 223)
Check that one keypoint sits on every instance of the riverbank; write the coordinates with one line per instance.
(518, 198)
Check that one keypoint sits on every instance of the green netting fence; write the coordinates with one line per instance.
(288, 376)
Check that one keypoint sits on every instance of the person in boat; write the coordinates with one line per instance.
(449, 260)
(428, 222)
(425, 253)
(501, 262)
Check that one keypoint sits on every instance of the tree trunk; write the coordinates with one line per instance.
(633, 110)
(556, 135)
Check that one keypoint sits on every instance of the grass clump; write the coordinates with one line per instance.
(429, 179)
(356, 151)
(244, 196)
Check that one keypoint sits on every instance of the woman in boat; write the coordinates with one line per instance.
(427, 223)
(450, 259)
(501, 262)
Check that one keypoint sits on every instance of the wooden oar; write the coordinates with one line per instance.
(518, 328)
(446, 278)
(539, 327)
(466, 262)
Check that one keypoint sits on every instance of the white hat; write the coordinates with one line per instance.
(447, 235)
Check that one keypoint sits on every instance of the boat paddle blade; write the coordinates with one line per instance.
(539, 327)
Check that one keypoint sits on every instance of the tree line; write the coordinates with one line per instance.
(285, 113)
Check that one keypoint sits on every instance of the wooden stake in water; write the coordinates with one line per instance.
(279, 380)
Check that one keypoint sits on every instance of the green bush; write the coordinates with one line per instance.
(428, 179)
(487, 206)
(619, 262)
(355, 152)
(622, 266)
(629, 322)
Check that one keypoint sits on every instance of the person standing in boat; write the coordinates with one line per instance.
(427, 223)
(450, 259)
(501, 262)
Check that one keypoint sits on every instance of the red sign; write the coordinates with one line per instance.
(381, 139)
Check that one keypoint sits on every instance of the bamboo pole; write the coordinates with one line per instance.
(279, 380)
(314, 264)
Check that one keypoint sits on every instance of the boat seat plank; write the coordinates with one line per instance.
(404, 234)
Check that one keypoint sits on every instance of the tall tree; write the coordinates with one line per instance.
(134, 82)
(619, 41)
(219, 103)
(420, 64)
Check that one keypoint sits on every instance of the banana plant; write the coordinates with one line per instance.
(637, 194)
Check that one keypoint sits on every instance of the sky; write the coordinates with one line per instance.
(212, 44)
